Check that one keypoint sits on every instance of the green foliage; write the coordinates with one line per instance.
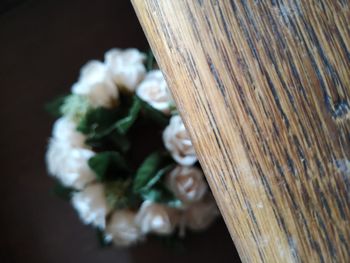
(154, 115)
(147, 182)
(75, 107)
(118, 194)
(147, 171)
(98, 121)
(160, 194)
(157, 176)
(120, 141)
(108, 164)
(109, 127)
(109, 140)
(124, 124)
(99, 125)
(54, 107)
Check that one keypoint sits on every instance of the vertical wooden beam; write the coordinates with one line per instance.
(264, 90)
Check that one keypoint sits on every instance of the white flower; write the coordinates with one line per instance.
(67, 156)
(69, 165)
(65, 131)
(122, 228)
(56, 155)
(156, 218)
(187, 183)
(178, 142)
(201, 214)
(126, 67)
(91, 205)
(154, 90)
(97, 85)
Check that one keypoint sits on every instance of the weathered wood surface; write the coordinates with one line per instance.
(263, 87)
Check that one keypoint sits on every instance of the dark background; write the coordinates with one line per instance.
(43, 45)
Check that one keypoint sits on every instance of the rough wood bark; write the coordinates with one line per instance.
(263, 88)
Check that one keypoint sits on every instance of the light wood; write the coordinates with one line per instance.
(263, 88)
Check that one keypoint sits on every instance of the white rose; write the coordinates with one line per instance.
(91, 204)
(187, 183)
(156, 218)
(64, 130)
(97, 85)
(201, 214)
(126, 67)
(122, 228)
(154, 90)
(56, 155)
(178, 142)
(69, 165)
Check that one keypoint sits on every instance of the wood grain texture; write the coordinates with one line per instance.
(263, 88)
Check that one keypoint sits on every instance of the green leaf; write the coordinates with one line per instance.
(160, 173)
(161, 194)
(75, 107)
(54, 107)
(120, 141)
(100, 127)
(154, 115)
(154, 195)
(98, 121)
(62, 191)
(147, 171)
(117, 194)
(147, 182)
(108, 163)
(112, 140)
(124, 124)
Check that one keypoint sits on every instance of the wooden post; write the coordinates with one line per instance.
(264, 90)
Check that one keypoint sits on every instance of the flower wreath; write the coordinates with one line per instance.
(104, 125)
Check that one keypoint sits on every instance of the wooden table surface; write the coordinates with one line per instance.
(43, 45)
(264, 90)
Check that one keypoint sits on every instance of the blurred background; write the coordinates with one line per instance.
(43, 45)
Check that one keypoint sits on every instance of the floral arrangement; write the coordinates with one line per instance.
(121, 153)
